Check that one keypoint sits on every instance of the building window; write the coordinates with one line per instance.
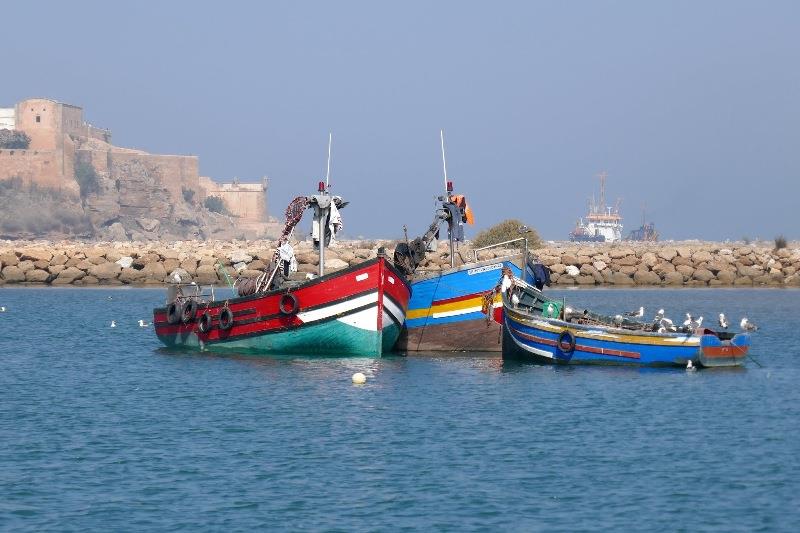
(38, 118)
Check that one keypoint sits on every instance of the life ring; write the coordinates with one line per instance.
(189, 311)
(566, 342)
(225, 319)
(173, 313)
(288, 304)
(204, 324)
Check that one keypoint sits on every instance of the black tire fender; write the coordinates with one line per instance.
(288, 304)
(566, 340)
(173, 313)
(225, 319)
(188, 311)
(204, 323)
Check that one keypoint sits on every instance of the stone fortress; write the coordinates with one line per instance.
(136, 185)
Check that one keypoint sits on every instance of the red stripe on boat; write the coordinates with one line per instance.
(580, 347)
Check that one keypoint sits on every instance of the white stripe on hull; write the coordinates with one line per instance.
(397, 313)
(338, 308)
(366, 319)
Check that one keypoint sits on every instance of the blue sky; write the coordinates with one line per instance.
(691, 107)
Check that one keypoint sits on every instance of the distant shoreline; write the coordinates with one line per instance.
(154, 264)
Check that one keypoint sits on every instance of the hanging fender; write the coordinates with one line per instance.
(225, 319)
(566, 342)
(288, 304)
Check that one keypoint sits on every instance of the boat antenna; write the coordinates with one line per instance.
(328, 172)
(444, 163)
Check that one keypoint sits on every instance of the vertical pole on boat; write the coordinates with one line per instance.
(446, 198)
(444, 163)
(525, 262)
(322, 228)
(328, 172)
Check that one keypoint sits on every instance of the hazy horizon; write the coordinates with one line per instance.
(691, 108)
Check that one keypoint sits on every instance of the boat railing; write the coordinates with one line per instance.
(191, 291)
(499, 244)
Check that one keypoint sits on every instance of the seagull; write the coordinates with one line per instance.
(113, 324)
(143, 324)
(690, 367)
(691, 324)
(638, 313)
(688, 321)
(747, 325)
(618, 319)
(723, 322)
(550, 309)
(176, 277)
(515, 299)
(659, 315)
(3, 309)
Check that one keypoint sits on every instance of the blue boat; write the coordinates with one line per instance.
(445, 311)
(545, 331)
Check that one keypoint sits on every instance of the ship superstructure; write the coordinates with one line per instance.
(602, 223)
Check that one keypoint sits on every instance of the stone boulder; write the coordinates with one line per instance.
(125, 261)
(59, 259)
(667, 254)
(131, 275)
(686, 270)
(179, 274)
(13, 274)
(572, 270)
(649, 259)
(701, 274)
(673, 278)
(37, 276)
(69, 275)
(643, 277)
(154, 273)
(36, 254)
(620, 278)
(599, 265)
(569, 259)
(702, 256)
(9, 259)
(240, 256)
(335, 264)
(105, 271)
(206, 274)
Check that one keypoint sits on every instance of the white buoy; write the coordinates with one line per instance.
(359, 378)
(3, 309)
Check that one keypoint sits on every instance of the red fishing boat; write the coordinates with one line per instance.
(356, 311)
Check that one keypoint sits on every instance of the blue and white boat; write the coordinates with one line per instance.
(545, 331)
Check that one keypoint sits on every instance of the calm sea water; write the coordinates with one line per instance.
(101, 429)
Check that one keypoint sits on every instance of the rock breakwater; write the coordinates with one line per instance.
(663, 264)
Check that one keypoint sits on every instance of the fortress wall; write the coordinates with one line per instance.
(247, 201)
(173, 172)
(42, 167)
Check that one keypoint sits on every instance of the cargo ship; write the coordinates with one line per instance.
(602, 223)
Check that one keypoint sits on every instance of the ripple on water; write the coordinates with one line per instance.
(104, 429)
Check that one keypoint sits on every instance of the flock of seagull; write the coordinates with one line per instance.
(661, 324)
(142, 324)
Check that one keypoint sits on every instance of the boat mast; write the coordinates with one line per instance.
(323, 213)
(447, 188)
